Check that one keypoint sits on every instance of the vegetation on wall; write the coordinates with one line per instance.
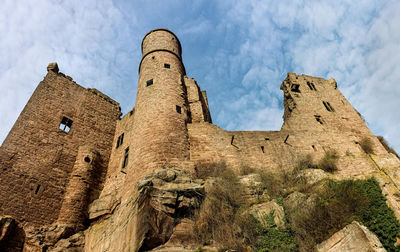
(367, 145)
(328, 206)
(387, 146)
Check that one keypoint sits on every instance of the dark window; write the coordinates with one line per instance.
(149, 82)
(262, 149)
(65, 124)
(328, 106)
(125, 163)
(178, 109)
(311, 86)
(167, 66)
(37, 189)
(120, 140)
(295, 88)
(319, 119)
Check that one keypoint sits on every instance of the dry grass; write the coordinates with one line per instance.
(329, 162)
(387, 146)
(218, 219)
(367, 145)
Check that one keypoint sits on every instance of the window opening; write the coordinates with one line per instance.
(120, 140)
(319, 119)
(311, 86)
(262, 148)
(37, 189)
(149, 82)
(153, 57)
(125, 163)
(65, 124)
(87, 159)
(328, 106)
(178, 109)
(313, 146)
(266, 139)
(295, 88)
(167, 66)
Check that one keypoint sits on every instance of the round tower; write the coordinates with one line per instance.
(161, 137)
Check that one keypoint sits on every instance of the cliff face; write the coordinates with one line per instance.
(71, 167)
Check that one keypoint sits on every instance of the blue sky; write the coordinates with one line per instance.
(239, 51)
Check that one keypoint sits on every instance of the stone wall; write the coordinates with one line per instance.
(41, 155)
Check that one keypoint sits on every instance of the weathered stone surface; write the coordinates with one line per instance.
(53, 67)
(353, 237)
(74, 243)
(151, 215)
(312, 176)
(12, 237)
(262, 211)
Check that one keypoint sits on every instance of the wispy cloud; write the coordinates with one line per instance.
(239, 51)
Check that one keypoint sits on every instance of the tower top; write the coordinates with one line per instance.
(161, 39)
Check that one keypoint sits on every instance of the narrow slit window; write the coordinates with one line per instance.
(167, 65)
(295, 88)
(262, 149)
(126, 155)
(311, 86)
(37, 189)
(178, 109)
(149, 82)
(318, 119)
(120, 140)
(65, 124)
(328, 106)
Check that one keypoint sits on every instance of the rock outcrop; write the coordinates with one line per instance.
(158, 212)
(353, 237)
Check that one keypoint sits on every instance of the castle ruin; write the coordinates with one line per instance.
(71, 159)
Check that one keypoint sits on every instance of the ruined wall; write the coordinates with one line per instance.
(41, 156)
(309, 128)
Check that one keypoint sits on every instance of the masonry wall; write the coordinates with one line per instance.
(40, 156)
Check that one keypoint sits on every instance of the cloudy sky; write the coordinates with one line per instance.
(239, 51)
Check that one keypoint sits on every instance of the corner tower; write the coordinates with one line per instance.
(161, 111)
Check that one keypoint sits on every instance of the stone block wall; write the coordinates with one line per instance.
(41, 155)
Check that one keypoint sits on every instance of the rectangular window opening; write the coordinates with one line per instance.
(295, 88)
(167, 66)
(328, 106)
(65, 124)
(178, 109)
(149, 82)
(125, 163)
(262, 148)
(120, 140)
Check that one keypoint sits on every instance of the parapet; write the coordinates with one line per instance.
(161, 40)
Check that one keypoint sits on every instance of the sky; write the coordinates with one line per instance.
(238, 51)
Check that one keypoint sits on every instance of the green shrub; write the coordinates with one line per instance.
(329, 162)
(387, 146)
(367, 145)
(273, 238)
(378, 217)
(335, 206)
(338, 204)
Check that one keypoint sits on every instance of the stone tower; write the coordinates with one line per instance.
(161, 114)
